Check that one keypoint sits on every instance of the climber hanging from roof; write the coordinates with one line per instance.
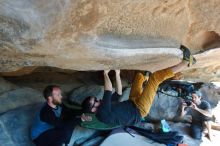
(130, 112)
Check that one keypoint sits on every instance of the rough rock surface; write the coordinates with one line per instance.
(6, 86)
(19, 97)
(77, 95)
(119, 139)
(100, 34)
(15, 126)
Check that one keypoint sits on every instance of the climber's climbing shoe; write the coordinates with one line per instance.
(187, 56)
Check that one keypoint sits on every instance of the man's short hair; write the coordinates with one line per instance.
(197, 92)
(86, 105)
(49, 90)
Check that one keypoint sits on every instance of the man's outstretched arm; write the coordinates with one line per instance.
(118, 82)
(107, 81)
(206, 112)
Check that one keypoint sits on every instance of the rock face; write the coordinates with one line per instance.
(79, 94)
(19, 97)
(100, 34)
(164, 107)
(6, 86)
(15, 126)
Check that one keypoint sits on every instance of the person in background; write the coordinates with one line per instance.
(53, 124)
(201, 114)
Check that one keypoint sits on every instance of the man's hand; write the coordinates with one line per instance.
(106, 71)
(107, 81)
(194, 106)
(117, 71)
(118, 88)
(86, 118)
(184, 105)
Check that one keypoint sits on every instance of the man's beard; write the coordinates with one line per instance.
(56, 102)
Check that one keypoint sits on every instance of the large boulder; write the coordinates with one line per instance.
(77, 95)
(15, 126)
(211, 93)
(81, 136)
(6, 86)
(19, 97)
(119, 139)
(164, 107)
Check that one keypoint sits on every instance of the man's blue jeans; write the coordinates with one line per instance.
(196, 131)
